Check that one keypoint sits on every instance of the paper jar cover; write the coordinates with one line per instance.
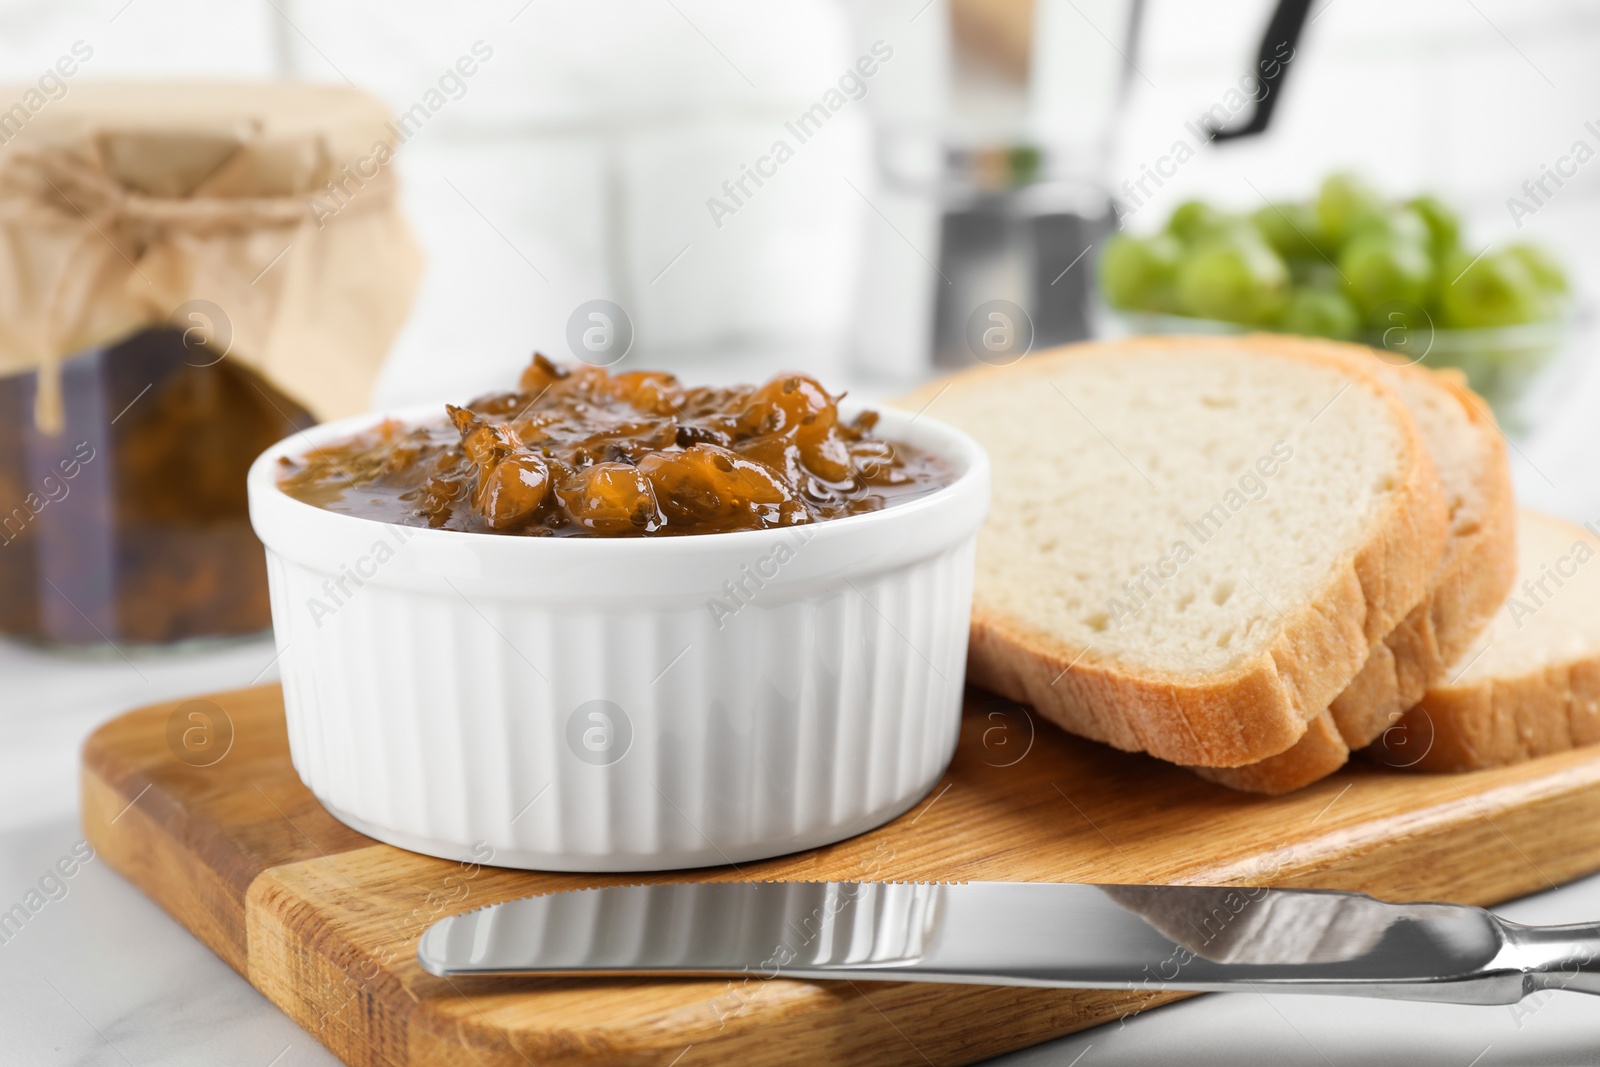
(263, 216)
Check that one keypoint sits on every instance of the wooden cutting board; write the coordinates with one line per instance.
(207, 816)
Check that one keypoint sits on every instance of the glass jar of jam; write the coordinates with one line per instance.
(178, 261)
(129, 525)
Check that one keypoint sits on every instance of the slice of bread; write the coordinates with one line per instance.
(1530, 685)
(1472, 580)
(1194, 542)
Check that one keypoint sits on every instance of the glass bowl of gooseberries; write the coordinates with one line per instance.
(1353, 265)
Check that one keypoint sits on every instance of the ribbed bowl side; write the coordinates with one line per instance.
(620, 737)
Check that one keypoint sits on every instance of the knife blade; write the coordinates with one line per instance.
(1198, 938)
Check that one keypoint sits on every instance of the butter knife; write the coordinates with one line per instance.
(1026, 934)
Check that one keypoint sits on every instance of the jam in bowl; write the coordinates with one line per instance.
(575, 451)
(610, 623)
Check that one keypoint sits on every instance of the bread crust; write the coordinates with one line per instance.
(1320, 752)
(1502, 721)
(1262, 706)
(1496, 721)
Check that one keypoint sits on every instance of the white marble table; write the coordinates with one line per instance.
(102, 976)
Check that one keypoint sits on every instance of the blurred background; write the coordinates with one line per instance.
(872, 191)
(587, 156)
(578, 162)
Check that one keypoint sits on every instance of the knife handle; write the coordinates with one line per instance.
(1557, 957)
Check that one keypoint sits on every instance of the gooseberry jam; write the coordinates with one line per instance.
(577, 451)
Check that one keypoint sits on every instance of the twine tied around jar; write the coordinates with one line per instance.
(311, 296)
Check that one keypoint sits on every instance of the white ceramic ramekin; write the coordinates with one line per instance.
(596, 704)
